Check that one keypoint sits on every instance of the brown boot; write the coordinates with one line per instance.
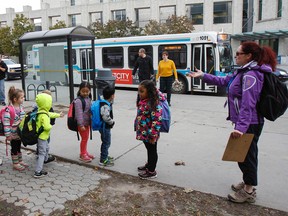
(16, 164)
(20, 160)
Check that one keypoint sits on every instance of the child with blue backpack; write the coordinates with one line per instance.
(102, 120)
(148, 124)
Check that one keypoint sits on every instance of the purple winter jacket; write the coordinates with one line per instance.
(244, 88)
(83, 118)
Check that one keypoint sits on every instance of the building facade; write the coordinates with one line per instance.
(237, 17)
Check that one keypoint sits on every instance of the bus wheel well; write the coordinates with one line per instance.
(182, 88)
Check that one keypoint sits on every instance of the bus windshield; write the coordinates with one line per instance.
(225, 54)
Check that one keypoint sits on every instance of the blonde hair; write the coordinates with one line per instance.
(46, 91)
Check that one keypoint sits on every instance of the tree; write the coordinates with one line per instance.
(155, 28)
(6, 40)
(115, 28)
(9, 36)
(173, 25)
(179, 24)
(58, 25)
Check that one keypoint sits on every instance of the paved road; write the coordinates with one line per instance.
(198, 137)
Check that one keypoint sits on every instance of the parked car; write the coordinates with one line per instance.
(282, 74)
(14, 69)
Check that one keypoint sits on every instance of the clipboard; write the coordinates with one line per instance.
(236, 149)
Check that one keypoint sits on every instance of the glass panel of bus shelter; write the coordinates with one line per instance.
(133, 54)
(112, 57)
(177, 53)
(196, 62)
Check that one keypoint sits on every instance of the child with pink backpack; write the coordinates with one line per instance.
(11, 117)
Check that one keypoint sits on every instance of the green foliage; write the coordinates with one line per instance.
(173, 25)
(6, 40)
(9, 36)
(115, 28)
(58, 25)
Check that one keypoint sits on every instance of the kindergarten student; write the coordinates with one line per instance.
(83, 118)
(107, 117)
(147, 125)
(44, 103)
(53, 116)
(16, 99)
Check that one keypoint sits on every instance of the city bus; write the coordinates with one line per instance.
(210, 52)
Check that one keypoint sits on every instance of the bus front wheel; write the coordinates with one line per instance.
(181, 87)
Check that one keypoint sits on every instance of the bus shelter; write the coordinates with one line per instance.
(50, 45)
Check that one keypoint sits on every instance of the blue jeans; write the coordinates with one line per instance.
(106, 142)
(2, 90)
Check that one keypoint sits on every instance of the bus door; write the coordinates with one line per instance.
(202, 58)
(197, 51)
(85, 64)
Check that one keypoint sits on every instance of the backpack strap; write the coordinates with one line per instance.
(83, 102)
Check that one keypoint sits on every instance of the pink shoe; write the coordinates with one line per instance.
(90, 156)
(85, 158)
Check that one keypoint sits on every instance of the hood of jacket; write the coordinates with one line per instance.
(254, 66)
(44, 102)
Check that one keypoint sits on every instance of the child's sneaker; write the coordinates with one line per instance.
(85, 158)
(90, 156)
(242, 196)
(106, 162)
(148, 175)
(51, 158)
(40, 174)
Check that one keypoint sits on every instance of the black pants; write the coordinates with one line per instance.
(249, 167)
(152, 156)
(15, 147)
(166, 86)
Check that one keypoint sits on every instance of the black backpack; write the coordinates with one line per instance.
(27, 129)
(273, 100)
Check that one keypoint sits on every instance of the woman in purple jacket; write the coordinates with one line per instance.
(243, 88)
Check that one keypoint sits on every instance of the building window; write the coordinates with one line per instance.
(96, 16)
(177, 53)
(37, 24)
(75, 19)
(3, 24)
(195, 13)
(112, 57)
(273, 43)
(133, 54)
(119, 15)
(279, 9)
(54, 20)
(72, 2)
(142, 16)
(166, 12)
(222, 12)
(260, 10)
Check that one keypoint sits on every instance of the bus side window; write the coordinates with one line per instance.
(177, 53)
(133, 54)
(112, 57)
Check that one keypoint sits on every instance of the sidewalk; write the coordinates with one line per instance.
(198, 137)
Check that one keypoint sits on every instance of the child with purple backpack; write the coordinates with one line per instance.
(148, 124)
